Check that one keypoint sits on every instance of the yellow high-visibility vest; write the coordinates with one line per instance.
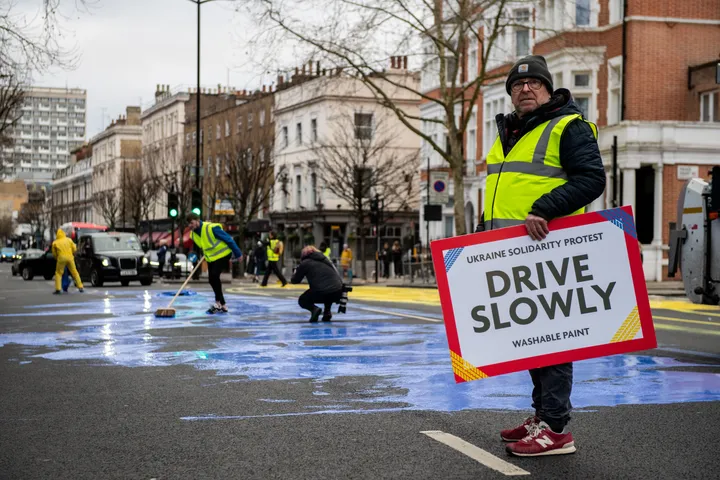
(213, 248)
(271, 255)
(327, 252)
(531, 169)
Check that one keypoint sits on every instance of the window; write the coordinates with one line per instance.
(218, 132)
(227, 128)
(472, 61)
(708, 107)
(250, 120)
(313, 190)
(472, 139)
(584, 104)
(449, 226)
(582, 13)
(363, 126)
(313, 130)
(218, 165)
(522, 15)
(616, 10)
(614, 113)
(201, 136)
(298, 133)
(194, 137)
(187, 139)
(285, 136)
(522, 42)
(492, 108)
(582, 79)
(298, 191)
(262, 118)
(239, 124)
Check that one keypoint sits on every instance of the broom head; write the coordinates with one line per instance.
(165, 312)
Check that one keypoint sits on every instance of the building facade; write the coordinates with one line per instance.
(316, 112)
(113, 149)
(236, 153)
(51, 126)
(651, 95)
(72, 199)
(162, 140)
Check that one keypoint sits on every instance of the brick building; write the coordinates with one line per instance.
(644, 72)
(236, 144)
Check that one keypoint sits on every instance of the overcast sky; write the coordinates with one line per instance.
(129, 46)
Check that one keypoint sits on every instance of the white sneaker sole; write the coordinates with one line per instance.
(567, 449)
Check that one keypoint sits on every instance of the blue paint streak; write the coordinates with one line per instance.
(270, 339)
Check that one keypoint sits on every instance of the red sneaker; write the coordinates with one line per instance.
(541, 440)
(518, 433)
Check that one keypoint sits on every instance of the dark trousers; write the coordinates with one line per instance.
(309, 298)
(551, 394)
(214, 270)
(386, 269)
(272, 267)
(161, 265)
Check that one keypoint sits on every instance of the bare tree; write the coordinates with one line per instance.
(360, 36)
(138, 193)
(6, 228)
(249, 174)
(108, 204)
(11, 100)
(35, 41)
(36, 213)
(361, 161)
(171, 171)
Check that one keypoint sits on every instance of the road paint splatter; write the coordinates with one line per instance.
(271, 340)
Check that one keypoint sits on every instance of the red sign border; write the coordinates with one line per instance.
(648, 340)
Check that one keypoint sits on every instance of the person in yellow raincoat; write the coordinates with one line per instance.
(63, 249)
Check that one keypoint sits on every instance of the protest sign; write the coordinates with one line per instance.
(511, 303)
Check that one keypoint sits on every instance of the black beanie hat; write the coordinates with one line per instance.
(532, 66)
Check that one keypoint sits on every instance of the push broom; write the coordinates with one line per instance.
(169, 312)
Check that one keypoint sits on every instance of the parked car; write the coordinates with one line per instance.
(112, 257)
(182, 266)
(32, 253)
(7, 254)
(32, 265)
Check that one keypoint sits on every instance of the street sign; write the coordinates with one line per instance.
(439, 194)
(224, 207)
(511, 303)
(686, 172)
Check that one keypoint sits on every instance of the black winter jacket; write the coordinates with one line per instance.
(320, 272)
(579, 156)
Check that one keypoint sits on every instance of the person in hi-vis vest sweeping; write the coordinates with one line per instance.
(544, 164)
(274, 250)
(217, 247)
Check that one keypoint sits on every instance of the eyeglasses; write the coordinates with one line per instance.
(533, 83)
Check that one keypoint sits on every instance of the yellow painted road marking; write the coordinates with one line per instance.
(428, 319)
(685, 306)
(476, 453)
(691, 330)
(682, 320)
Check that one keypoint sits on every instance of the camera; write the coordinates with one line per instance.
(342, 308)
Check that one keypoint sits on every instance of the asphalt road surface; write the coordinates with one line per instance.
(94, 386)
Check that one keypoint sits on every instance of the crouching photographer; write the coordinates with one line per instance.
(326, 286)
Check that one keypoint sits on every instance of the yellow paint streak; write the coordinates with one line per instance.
(691, 330)
(629, 328)
(684, 306)
(464, 369)
(682, 320)
(420, 296)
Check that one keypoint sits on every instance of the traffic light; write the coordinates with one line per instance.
(375, 210)
(196, 201)
(173, 205)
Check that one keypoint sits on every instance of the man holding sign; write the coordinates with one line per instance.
(544, 164)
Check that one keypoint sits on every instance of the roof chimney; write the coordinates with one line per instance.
(263, 89)
(405, 62)
(317, 67)
(392, 62)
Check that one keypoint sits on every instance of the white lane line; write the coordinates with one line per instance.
(427, 319)
(476, 453)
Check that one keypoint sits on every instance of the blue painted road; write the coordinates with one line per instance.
(270, 339)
